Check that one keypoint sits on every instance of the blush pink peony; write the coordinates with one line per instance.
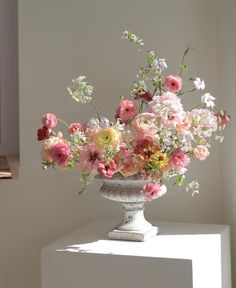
(178, 160)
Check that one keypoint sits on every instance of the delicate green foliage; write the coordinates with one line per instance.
(109, 152)
(150, 58)
(179, 180)
(132, 37)
(48, 165)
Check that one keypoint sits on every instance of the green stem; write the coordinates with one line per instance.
(63, 122)
(199, 105)
(189, 91)
(141, 107)
(95, 109)
(182, 63)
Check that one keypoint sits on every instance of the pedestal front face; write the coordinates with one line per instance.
(182, 256)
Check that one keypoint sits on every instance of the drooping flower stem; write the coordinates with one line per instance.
(182, 63)
(95, 109)
(63, 122)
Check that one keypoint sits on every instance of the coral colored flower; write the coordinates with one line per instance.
(49, 120)
(90, 156)
(223, 118)
(129, 167)
(201, 152)
(145, 95)
(76, 127)
(173, 83)
(178, 160)
(145, 124)
(60, 153)
(107, 169)
(107, 137)
(126, 111)
(43, 133)
(151, 191)
(184, 125)
(145, 145)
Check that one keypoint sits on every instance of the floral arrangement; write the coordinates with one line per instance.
(151, 137)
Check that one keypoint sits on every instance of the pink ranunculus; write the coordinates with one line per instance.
(151, 191)
(144, 124)
(201, 152)
(107, 169)
(90, 156)
(49, 120)
(173, 83)
(60, 153)
(178, 160)
(76, 127)
(126, 111)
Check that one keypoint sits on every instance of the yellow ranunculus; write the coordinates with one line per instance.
(107, 137)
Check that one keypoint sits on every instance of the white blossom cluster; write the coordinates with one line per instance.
(80, 91)
(132, 37)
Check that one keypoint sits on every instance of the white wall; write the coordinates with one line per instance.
(58, 41)
(226, 44)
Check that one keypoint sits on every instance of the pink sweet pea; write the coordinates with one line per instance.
(107, 169)
(150, 191)
(60, 153)
(126, 111)
(76, 127)
(178, 160)
(49, 120)
(173, 83)
(223, 118)
(90, 156)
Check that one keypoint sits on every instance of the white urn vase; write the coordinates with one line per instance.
(134, 226)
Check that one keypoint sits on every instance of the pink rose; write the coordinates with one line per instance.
(126, 111)
(60, 153)
(151, 191)
(144, 124)
(76, 127)
(49, 120)
(178, 160)
(201, 152)
(173, 83)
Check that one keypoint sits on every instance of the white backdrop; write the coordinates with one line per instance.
(60, 40)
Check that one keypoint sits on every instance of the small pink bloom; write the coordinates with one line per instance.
(129, 168)
(173, 83)
(201, 152)
(49, 120)
(60, 153)
(145, 124)
(178, 160)
(90, 156)
(126, 111)
(76, 127)
(107, 169)
(151, 191)
(223, 118)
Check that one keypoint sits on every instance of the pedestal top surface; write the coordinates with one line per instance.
(176, 240)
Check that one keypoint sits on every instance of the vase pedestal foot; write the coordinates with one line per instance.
(141, 236)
